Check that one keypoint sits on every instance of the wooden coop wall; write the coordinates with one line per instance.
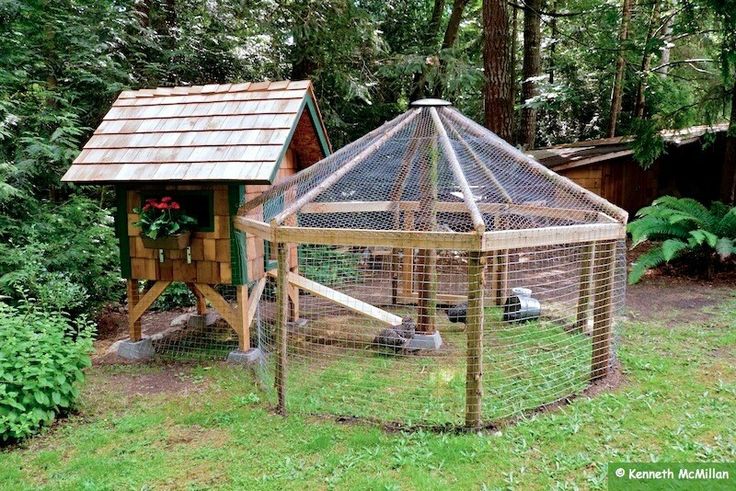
(212, 260)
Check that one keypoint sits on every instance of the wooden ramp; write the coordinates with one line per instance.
(350, 303)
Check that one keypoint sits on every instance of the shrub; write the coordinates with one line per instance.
(328, 265)
(683, 226)
(64, 256)
(42, 357)
(175, 296)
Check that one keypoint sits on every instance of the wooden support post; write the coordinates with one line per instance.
(134, 324)
(500, 276)
(282, 313)
(243, 321)
(427, 258)
(603, 274)
(475, 323)
(201, 301)
(406, 282)
(584, 293)
(294, 299)
(500, 266)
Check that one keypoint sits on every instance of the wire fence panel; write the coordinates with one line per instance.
(428, 274)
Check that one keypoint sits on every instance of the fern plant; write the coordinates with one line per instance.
(683, 226)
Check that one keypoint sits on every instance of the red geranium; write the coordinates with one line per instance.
(164, 217)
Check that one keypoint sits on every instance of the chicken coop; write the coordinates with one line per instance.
(207, 148)
(431, 274)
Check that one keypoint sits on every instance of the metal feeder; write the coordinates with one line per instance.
(521, 306)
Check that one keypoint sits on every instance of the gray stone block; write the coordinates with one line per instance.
(253, 356)
(136, 350)
(425, 342)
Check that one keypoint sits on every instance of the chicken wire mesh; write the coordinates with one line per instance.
(430, 274)
(343, 361)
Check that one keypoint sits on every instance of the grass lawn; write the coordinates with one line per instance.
(197, 426)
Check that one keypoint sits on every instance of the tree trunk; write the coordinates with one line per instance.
(552, 43)
(667, 38)
(433, 28)
(498, 94)
(453, 25)
(532, 68)
(419, 81)
(618, 82)
(646, 61)
(448, 41)
(514, 68)
(728, 179)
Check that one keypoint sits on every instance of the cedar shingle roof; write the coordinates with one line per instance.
(230, 132)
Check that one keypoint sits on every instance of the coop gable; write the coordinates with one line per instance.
(241, 133)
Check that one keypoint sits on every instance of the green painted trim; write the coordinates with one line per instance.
(121, 230)
(238, 249)
(309, 104)
(318, 126)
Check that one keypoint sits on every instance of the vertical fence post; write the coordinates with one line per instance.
(603, 275)
(282, 316)
(475, 322)
(584, 294)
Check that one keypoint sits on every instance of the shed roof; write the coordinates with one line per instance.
(582, 153)
(231, 132)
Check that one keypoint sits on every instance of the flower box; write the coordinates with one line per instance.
(171, 242)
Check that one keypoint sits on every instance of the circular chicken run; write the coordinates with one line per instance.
(431, 274)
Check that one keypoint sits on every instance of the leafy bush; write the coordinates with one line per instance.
(64, 256)
(683, 226)
(42, 357)
(175, 296)
(327, 265)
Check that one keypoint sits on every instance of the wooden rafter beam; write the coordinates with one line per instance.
(488, 173)
(347, 167)
(478, 223)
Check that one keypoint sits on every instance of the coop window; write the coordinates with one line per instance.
(197, 204)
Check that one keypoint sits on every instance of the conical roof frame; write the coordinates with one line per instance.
(434, 163)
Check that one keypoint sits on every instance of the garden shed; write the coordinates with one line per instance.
(446, 277)
(208, 148)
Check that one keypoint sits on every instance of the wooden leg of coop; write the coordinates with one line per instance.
(282, 314)
(475, 322)
(603, 275)
(427, 279)
(584, 296)
(230, 314)
(243, 321)
(134, 324)
(201, 301)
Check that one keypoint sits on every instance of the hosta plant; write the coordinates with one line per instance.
(683, 226)
(163, 218)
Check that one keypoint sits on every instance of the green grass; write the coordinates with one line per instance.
(678, 404)
(526, 365)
